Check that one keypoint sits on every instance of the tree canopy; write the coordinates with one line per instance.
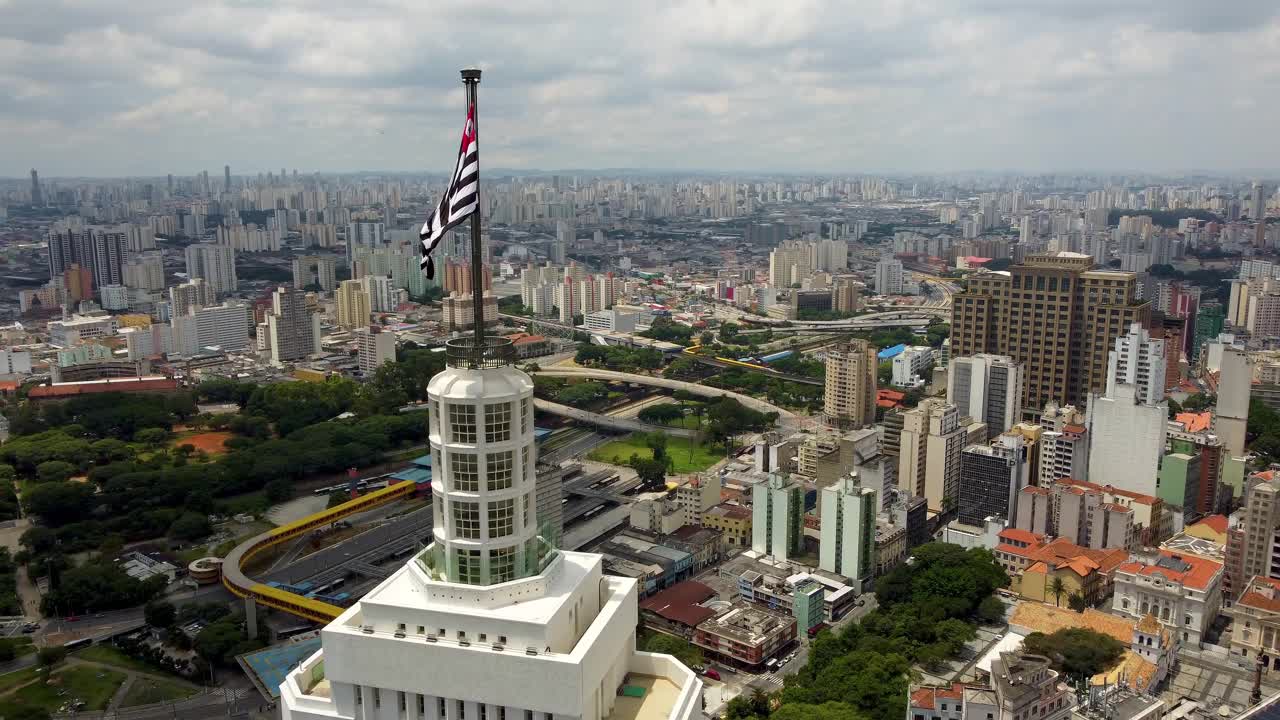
(1080, 653)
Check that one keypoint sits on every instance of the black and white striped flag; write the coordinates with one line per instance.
(460, 199)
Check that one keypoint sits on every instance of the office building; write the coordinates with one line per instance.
(789, 264)
(1054, 315)
(849, 400)
(314, 272)
(293, 330)
(374, 346)
(848, 532)
(489, 598)
(114, 297)
(930, 444)
(991, 479)
(189, 296)
(777, 512)
(37, 195)
(889, 276)
(215, 264)
(987, 388)
(225, 327)
(353, 305)
(846, 295)
(910, 365)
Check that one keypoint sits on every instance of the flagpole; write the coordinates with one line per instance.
(471, 78)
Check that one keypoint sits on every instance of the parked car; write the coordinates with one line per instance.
(712, 673)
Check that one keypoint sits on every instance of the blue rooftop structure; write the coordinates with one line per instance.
(892, 352)
(420, 472)
(540, 434)
(268, 667)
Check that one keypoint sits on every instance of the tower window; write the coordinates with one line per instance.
(466, 520)
(466, 476)
(498, 470)
(497, 422)
(462, 423)
(502, 517)
(468, 568)
(502, 564)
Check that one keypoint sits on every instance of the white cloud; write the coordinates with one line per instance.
(150, 87)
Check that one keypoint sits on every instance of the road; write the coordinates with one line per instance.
(416, 524)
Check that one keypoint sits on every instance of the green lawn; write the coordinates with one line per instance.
(619, 451)
(108, 655)
(255, 503)
(146, 691)
(94, 686)
(12, 680)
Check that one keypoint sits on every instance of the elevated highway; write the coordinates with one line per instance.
(253, 592)
(785, 416)
(608, 422)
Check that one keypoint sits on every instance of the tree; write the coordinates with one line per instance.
(1057, 587)
(884, 372)
(681, 649)
(1174, 408)
(336, 498)
(51, 655)
(190, 526)
(160, 614)
(657, 442)
(652, 472)
(1079, 652)
(1077, 602)
(154, 437)
(660, 414)
(59, 503)
(728, 332)
(991, 610)
(55, 471)
(279, 490)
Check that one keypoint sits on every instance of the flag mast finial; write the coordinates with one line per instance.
(471, 78)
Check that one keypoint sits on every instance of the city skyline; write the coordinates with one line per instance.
(137, 90)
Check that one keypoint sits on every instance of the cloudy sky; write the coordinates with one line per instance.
(135, 87)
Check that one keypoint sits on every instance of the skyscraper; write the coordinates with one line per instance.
(987, 388)
(215, 264)
(314, 271)
(490, 621)
(226, 178)
(929, 450)
(1054, 315)
(353, 304)
(849, 400)
(889, 276)
(1128, 423)
(37, 196)
(1138, 360)
(374, 347)
(102, 251)
(293, 330)
(1258, 208)
(991, 479)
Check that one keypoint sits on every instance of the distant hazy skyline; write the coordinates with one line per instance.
(147, 87)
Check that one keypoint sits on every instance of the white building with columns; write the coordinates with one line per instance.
(489, 622)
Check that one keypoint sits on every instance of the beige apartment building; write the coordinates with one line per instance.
(850, 398)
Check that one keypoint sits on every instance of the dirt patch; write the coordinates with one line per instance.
(210, 442)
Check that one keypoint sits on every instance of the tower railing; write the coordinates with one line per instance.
(487, 353)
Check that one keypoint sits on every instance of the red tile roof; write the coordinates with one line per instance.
(1195, 422)
(1062, 553)
(679, 603)
(925, 697)
(1217, 523)
(103, 386)
(1261, 594)
(1020, 535)
(1198, 576)
(1082, 485)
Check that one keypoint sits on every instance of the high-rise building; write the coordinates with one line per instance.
(225, 327)
(374, 346)
(1235, 381)
(215, 264)
(1126, 433)
(78, 282)
(987, 388)
(353, 304)
(889, 276)
(145, 272)
(293, 329)
(382, 294)
(226, 178)
(1054, 315)
(100, 250)
(362, 235)
(1138, 360)
(777, 512)
(189, 296)
(991, 479)
(314, 271)
(849, 399)
(930, 444)
(846, 295)
(1257, 209)
(1064, 444)
(789, 264)
(490, 598)
(37, 196)
(848, 533)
